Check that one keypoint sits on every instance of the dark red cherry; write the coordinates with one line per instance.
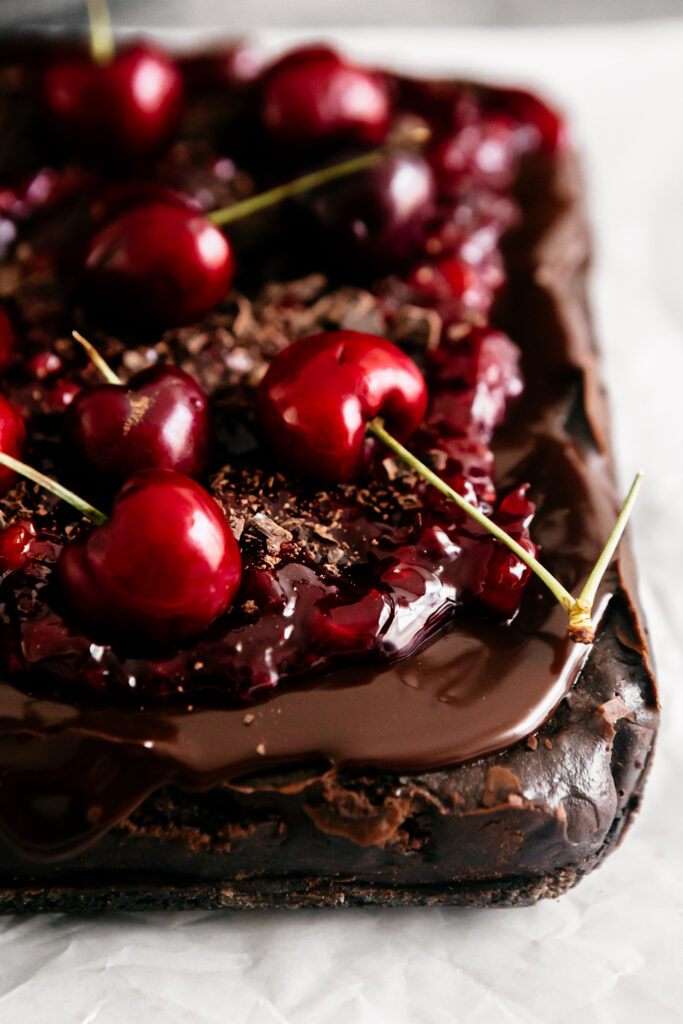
(6, 341)
(312, 95)
(483, 153)
(15, 544)
(161, 263)
(159, 419)
(506, 575)
(546, 124)
(380, 215)
(120, 110)
(231, 67)
(319, 394)
(12, 437)
(162, 569)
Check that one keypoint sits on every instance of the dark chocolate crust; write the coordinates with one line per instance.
(464, 835)
(503, 829)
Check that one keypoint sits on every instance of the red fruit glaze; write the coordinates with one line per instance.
(162, 569)
(159, 420)
(123, 109)
(312, 95)
(12, 436)
(161, 263)
(6, 341)
(319, 394)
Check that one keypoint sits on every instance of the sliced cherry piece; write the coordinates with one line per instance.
(159, 419)
(12, 437)
(161, 569)
(6, 341)
(319, 394)
(161, 263)
(312, 95)
(121, 109)
(380, 215)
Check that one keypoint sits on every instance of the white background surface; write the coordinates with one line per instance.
(611, 950)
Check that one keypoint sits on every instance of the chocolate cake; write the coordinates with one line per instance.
(390, 710)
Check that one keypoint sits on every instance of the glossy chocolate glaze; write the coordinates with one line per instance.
(71, 769)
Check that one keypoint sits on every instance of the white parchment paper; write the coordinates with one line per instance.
(611, 950)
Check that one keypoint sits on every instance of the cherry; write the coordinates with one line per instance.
(121, 109)
(506, 575)
(160, 419)
(548, 127)
(457, 289)
(381, 214)
(163, 567)
(312, 95)
(6, 341)
(484, 153)
(15, 544)
(43, 365)
(159, 262)
(233, 67)
(12, 437)
(318, 395)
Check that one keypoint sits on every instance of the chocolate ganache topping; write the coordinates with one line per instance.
(363, 635)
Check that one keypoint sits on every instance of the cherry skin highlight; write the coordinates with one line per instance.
(123, 109)
(313, 95)
(161, 420)
(161, 570)
(161, 263)
(12, 437)
(318, 395)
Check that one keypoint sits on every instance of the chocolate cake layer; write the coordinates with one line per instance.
(494, 764)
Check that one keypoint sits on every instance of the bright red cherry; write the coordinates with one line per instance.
(161, 569)
(12, 437)
(380, 215)
(122, 109)
(313, 95)
(6, 341)
(319, 394)
(160, 262)
(160, 419)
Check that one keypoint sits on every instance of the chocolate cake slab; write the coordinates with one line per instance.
(491, 765)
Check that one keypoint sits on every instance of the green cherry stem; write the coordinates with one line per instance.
(580, 628)
(226, 215)
(92, 513)
(102, 46)
(97, 360)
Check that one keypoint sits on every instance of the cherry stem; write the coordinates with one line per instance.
(580, 628)
(102, 45)
(97, 360)
(227, 214)
(49, 484)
